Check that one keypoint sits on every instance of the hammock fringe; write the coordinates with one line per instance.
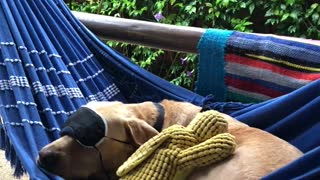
(10, 154)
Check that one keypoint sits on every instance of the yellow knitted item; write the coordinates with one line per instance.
(177, 150)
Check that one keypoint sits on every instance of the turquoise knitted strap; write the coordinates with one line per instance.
(211, 49)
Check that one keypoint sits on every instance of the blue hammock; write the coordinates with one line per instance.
(50, 65)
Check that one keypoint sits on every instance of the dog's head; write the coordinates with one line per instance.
(125, 132)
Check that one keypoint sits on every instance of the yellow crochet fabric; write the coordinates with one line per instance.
(174, 152)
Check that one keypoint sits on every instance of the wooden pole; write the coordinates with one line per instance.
(151, 34)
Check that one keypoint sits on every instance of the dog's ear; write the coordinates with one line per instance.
(140, 131)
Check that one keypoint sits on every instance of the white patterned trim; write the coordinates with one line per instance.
(43, 52)
(56, 112)
(18, 102)
(54, 55)
(97, 97)
(7, 106)
(111, 91)
(50, 55)
(33, 123)
(14, 81)
(22, 48)
(5, 85)
(80, 61)
(31, 51)
(8, 43)
(27, 103)
(19, 81)
(34, 52)
(107, 94)
(50, 90)
(47, 70)
(63, 72)
(37, 52)
(12, 60)
(90, 77)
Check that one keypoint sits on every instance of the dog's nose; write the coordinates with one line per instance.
(48, 158)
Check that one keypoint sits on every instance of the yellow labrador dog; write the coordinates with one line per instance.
(258, 153)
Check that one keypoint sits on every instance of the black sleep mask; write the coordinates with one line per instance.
(86, 126)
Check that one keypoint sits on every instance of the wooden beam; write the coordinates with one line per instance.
(151, 34)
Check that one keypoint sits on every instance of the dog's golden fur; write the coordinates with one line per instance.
(258, 153)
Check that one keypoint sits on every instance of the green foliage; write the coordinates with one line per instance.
(298, 18)
(294, 18)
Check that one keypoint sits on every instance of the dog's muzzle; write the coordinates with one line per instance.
(89, 129)
(86, 126)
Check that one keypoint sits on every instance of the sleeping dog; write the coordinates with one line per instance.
(99, 149)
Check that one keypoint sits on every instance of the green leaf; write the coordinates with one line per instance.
(247, 23)
(284, 17)
(224, 17)
(294, 15)
(172, 2)
(171, 17)
(193, 10)
(243, 5)
(283, 6)
(218, 2)
(251, 8)
(268, 21)
(159, 5)
(269, 13)
(271, 21)
(180, 5)
(277, 12)
(309, 13)
(188, 8)
(208, 4)
(314, 6)
(217, 13)
(210, 10)
(292, 29)
(225, 3)
(315, 17)
(290, 2)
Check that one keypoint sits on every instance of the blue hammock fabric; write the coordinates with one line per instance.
(50, 65)
(46, 73)
(295, 118)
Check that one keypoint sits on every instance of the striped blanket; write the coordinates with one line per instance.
(259, 67)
